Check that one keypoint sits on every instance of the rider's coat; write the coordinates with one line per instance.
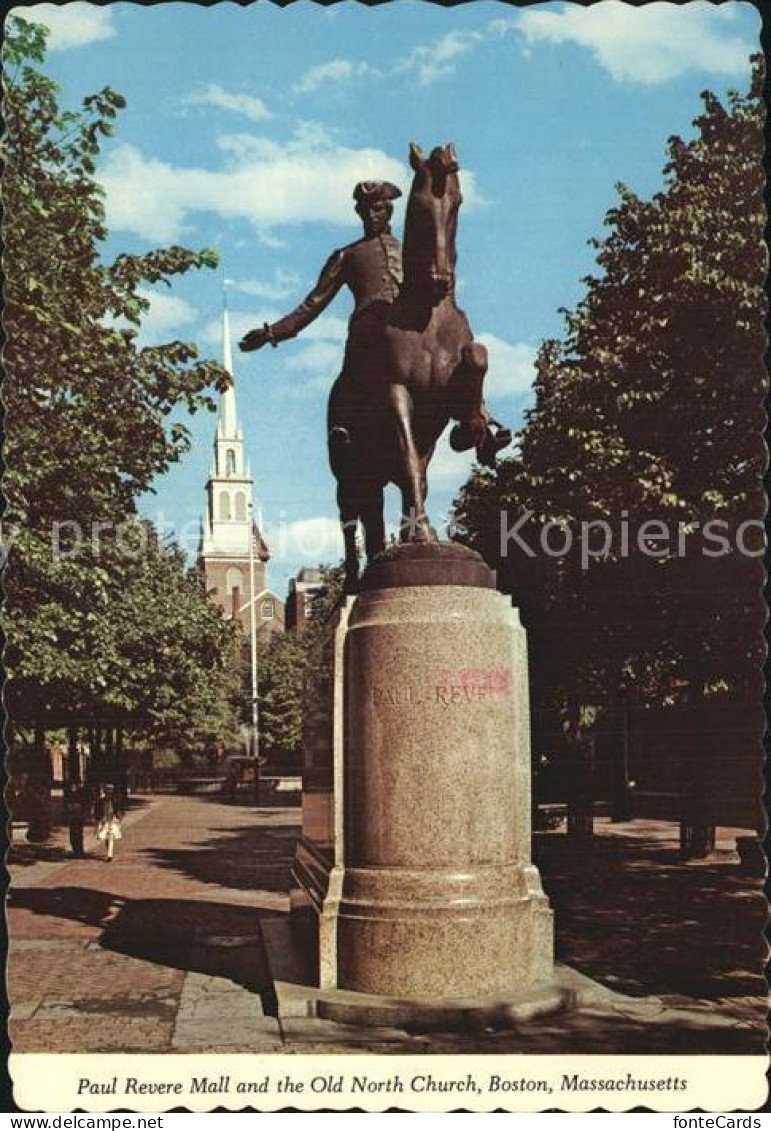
(371, 267)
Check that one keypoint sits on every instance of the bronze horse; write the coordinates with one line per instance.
(411, 366)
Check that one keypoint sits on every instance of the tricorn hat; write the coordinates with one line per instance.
(375, 190)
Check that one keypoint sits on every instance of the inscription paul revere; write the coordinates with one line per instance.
(447, 688)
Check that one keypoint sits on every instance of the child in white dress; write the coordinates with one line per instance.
(107, 816)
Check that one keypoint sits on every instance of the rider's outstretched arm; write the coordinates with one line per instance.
(330, 282)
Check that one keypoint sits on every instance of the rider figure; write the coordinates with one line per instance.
(372, 269)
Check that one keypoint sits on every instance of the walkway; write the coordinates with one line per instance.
(162, 949)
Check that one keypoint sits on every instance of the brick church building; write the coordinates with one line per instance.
(229, 524)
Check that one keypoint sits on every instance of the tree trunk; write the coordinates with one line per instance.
(40, 790)
(73, 757)
(581, 800)
(697, 803)
(622, 795)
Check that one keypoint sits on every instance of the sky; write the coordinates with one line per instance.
(246, 129)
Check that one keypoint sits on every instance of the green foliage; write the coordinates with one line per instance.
(91, 631)
(323, 605)
(281, 674)
(291, 663)
(649, 408)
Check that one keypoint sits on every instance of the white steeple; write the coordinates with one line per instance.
(228, 421)
(226, 528)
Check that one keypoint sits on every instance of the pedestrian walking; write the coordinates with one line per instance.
(76, 809)
(107, 816)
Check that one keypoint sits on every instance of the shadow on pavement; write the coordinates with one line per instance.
(591, 1031)
(268, 799)
(210, 938)
(249, 857)
(642, 922)
(57, 848)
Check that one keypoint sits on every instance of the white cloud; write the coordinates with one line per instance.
(316, 539)
(71, 25)
(336, 70)
(309, 178)
(283, 284)
(649, 44)
(447, 466)
(246, 104)
(510, 366)
(167, 314)
(318, 358)
(432, 61)
(267, 239)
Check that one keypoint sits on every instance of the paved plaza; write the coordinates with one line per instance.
(163, 949)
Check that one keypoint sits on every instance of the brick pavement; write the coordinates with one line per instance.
(162, 949)
(108, 956)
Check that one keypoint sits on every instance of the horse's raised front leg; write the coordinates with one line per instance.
(414, 526)
(476, 429)
(466, 395)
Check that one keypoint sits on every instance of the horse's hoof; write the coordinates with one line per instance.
(339, 436)
(461, 437)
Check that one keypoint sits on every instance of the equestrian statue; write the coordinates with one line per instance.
(411, 364)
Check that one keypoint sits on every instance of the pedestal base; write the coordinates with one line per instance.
(426, 932)
(427, 889)
(435, 932)
(290, 953)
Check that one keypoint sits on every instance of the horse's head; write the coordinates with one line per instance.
(431, 222)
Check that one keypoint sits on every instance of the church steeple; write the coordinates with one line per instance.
(228, 526)
(228, 426)
(229, 489)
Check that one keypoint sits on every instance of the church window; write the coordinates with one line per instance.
(230, 462)
(234, 580)
(266, 610)
(225, 506)
(240, 502)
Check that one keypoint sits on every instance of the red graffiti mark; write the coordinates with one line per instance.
(491, 681)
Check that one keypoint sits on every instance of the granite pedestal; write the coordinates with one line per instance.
(415, 854)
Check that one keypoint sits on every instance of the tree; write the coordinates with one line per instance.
(295, 670)
(155, 658)
(281, 674)
(649, 410)
(87, 406)
(164, 650)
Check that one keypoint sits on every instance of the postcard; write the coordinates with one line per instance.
(384, 556)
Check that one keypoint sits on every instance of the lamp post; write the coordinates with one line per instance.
(253, 645)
